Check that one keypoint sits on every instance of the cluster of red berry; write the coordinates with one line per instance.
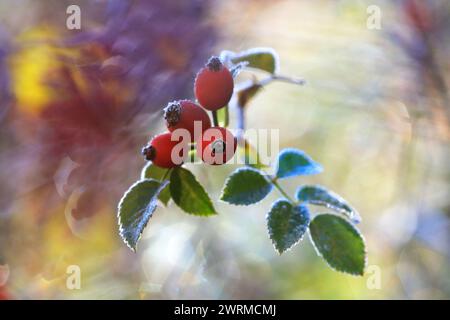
(215, 145)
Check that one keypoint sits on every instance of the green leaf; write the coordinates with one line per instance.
(246, 186)
(189, 194)
(150, 171)
(292, 162)
(135, 209)
(265, 59)
(319, 195)
(164, 195)
(223, 117)
(250, 155)
(286, 224)
(339, 243)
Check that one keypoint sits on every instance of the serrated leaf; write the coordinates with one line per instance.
(223, 117)
(189, 194)
(135, 209)
(264, 59)
(246, 186)
(150, 171)
(319, 195)
(286, 224)
(250, 155)
(339, 243)
(293, 162)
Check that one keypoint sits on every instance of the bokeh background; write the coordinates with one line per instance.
(77, 105)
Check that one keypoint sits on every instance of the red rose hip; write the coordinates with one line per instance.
(213, 85)
(185, 114)
(216, 146)
(164, 152)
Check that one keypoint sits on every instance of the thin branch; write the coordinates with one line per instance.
(215, 118)
(284, 193)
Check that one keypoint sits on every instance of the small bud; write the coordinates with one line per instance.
(148, 152)
(214, 64)
(172, 113)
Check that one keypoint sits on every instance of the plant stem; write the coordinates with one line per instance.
(215, 118)
(166, 174)
(278, 77)
(241, 118)
(284, 193)
(271, 78)
(227, 116)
